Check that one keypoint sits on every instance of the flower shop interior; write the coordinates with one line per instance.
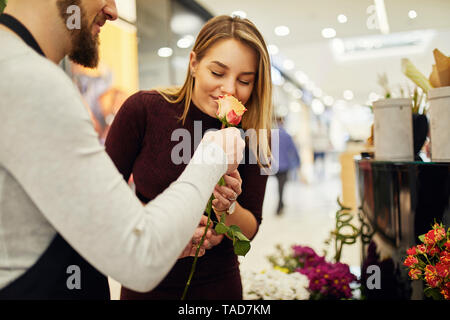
(330, 61)
(362, 89)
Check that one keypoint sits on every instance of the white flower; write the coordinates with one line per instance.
(274, 285)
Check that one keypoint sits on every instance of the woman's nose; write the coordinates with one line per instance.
(229, 87)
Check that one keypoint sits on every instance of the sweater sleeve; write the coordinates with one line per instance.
(48, 144)
(254, 181)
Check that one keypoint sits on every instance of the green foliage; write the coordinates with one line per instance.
(2, 5)
(344, 233)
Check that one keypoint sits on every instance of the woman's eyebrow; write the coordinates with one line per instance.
(220, 64)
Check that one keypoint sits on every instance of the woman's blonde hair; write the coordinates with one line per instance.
(259, 105)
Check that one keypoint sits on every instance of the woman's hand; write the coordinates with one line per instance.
(191, 247)
(226, 195)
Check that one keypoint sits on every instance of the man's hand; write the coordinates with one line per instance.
(232, 144)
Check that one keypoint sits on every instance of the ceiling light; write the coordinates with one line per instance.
(328, 33)
(165, 52)
(412, 14)
(185, 23)
(185, 42)
(282, 31)
(301, 77)
(317, 106)
(288, 64)
(348, 95)
(277, 78)
(239, 13)
(328, 100)
(273, 49)
(317, 92)
(342, 18)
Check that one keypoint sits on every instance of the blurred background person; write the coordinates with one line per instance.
(287, 159)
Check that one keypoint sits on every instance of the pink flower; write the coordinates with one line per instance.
(230, 110)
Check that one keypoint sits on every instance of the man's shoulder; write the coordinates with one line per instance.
(21, 66)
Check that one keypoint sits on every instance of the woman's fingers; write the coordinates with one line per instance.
(223, 203)
(234, 183)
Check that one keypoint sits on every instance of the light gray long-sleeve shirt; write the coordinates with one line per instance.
(56, 177)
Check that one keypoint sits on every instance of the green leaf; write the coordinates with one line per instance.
(241, 247)
(2, 5)
(223, 218)
(221, 228)
(422, 238)
(433, 293)
(241, 236)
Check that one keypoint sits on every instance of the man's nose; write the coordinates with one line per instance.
(110, 10)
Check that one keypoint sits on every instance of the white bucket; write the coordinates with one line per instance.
(439, 99)
(393, 130)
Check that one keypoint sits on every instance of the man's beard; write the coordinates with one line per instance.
(85, 45)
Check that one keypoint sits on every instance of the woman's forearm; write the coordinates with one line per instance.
(244, 219)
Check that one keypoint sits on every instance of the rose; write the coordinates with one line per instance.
(410, 261)
(439, 233)
(445, 257)
(411, 251)
(414, 273)
(430, 238)
(230, 110)
(442, 269)
(431, 276)
(421, 249)
(433, 250)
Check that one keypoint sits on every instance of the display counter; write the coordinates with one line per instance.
(400, 201)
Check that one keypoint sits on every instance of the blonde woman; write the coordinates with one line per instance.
(228, 57)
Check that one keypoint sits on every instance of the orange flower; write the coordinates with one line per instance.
(414, 273)
(432, 250)
(446, 293)
(439, 234)
(430, 238)
(411, 251)
(442, 269)
(447, 245)
(445, 257)
(421, 249)
(410, 261)
(230, 110)
(431, 276)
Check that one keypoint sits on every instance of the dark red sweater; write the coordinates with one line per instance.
(139, 143)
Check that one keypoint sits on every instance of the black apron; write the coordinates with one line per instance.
(60, 273)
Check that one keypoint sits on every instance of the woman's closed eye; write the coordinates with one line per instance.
(217, 74)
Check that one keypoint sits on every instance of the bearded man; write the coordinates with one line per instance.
(67, 218)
